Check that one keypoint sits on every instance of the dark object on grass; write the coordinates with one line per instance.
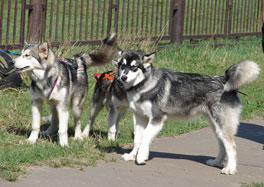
(9, 78)
(263, 37)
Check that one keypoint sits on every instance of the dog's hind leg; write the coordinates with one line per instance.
(95, 108)
(54, 122)
(140, 124)
(120, 116)
(36, 108)
(225, 124)
(218, 161)
(114, 116)
(112, 120)
(77, 107)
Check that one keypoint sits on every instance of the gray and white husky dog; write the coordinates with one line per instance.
(156, 94)
(59, 82)
(109, 92)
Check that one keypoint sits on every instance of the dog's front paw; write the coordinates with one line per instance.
(142, 157)
(111, 136)
(228, 171)
(140, 161)
(129, 157)
(213, 162)
(79, 138)
(28, 141)
(64, 141)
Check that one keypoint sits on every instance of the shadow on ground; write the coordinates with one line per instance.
(154, 154)
(251, 132)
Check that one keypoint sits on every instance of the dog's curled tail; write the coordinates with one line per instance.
(241, 74)
(103, 55)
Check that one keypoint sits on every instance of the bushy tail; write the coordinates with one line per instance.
(103, 55)
(241, 74)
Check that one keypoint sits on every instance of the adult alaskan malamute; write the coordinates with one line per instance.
(156, 94)
(109, 92)
(59, 82)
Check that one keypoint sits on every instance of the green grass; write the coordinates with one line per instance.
(15, 120)
(254, 184)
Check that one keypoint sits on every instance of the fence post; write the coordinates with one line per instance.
(110, 11)
(34, 21)
(177, 20)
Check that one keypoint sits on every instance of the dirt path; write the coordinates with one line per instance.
(174, 161)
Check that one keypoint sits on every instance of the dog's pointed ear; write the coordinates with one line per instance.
(147, 59)
(44, 50)
(26, 42)
(119, 52)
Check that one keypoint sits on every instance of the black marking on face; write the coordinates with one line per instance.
(32, 52)
(131, 61)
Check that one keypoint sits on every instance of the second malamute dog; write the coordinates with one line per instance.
(109, 92)
(58, 83)
(156, 94)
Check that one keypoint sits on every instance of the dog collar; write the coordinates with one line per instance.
(140, 84)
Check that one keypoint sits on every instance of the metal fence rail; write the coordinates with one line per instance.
(88, 21)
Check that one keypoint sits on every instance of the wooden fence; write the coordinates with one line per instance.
(88, 21)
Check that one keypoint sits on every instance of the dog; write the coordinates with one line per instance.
(109, 92)
(155, 95)
(60, 82)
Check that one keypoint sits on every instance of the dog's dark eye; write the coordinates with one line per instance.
(26, 55)
(133, 68)
(122, 66)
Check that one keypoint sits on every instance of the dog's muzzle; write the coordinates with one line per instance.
(123, 78)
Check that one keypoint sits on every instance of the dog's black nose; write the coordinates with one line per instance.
(123, 77)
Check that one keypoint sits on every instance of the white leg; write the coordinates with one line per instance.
(139, 126)
(226, 147)
(218, 161)
(77, 111)
(63, 115)
(36, 108)
(112, 121)
(120, 116)
(95, 108)
(53, 118)
(231, 166)
(151, 131)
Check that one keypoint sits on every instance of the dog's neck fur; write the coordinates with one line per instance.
(40, 78)
(40, 74)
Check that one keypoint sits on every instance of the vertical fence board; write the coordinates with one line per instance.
(14, 24)
(8, 21)
(57, 21)
(87, 20)
(63, 21)
(51, 20)
(81, 20)
(1, 19)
